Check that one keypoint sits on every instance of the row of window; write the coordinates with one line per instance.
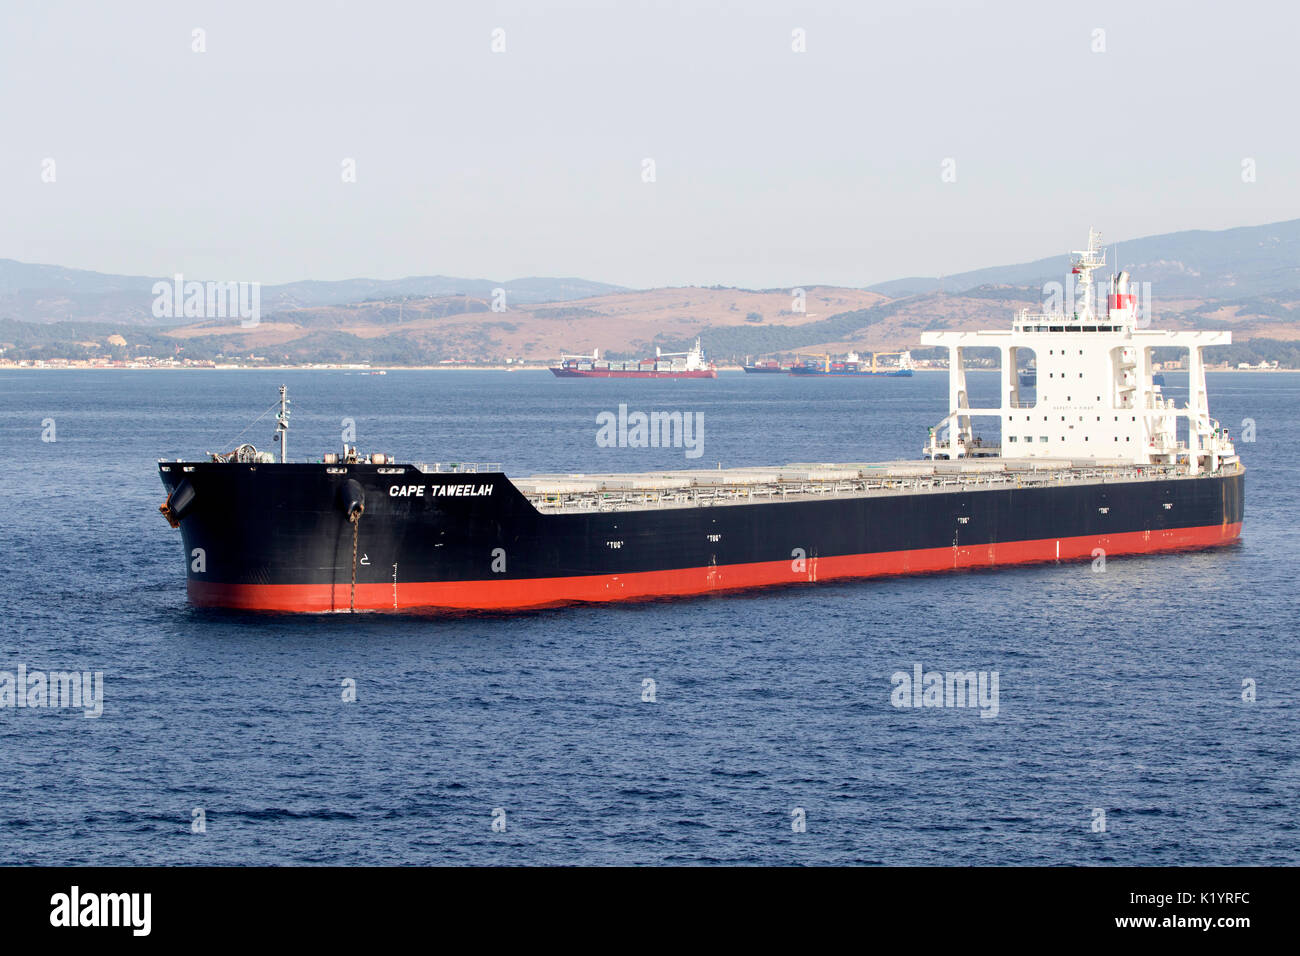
(1043, 438)
(1077, 328)
(1132, 418)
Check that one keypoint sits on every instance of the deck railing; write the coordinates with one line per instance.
(459, 467)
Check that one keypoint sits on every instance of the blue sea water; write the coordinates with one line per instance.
(1119, 691)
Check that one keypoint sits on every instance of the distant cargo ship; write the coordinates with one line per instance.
(853, 364)
(765, 367)
(690, 364)
(1096, 462)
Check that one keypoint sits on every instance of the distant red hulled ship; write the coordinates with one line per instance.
(692, 364)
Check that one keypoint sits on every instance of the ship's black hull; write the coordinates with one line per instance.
(277, 537)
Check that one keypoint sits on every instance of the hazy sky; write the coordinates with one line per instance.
(772, 167)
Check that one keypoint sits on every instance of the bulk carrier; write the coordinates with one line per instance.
(855, 365)
(1097, 459)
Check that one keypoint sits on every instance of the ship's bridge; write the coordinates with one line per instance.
(1094, 395)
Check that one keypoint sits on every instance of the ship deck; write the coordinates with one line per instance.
(570, 493)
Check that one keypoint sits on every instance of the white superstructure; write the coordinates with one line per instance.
(1094, 397)
(694, 358)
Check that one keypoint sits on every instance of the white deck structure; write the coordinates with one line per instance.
(1094, 397)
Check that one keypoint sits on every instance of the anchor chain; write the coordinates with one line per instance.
(355, 518)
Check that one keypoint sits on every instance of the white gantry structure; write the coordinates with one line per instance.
(1094, 397)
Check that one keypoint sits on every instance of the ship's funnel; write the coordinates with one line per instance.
(1121, 300)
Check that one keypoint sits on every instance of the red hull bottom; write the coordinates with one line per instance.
(508, 595)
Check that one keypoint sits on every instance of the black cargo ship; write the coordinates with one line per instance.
(280, 537)
(1100, 469)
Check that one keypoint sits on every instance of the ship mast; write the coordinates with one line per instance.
(282, 424)
(1094, 257)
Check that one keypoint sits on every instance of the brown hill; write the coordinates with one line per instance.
(465, 327)
(732, 322)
